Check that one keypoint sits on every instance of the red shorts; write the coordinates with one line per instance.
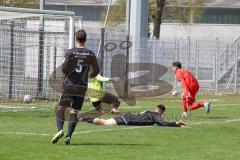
(193, 92)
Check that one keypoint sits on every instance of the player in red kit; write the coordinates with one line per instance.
(191, 87)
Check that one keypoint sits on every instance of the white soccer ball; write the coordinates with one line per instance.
(27, 98)
(174, 93)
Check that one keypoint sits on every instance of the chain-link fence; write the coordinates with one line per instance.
(214, 63)
(27, 60)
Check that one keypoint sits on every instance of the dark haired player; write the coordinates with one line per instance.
(191, 87)
(143, 119)
(77, 65)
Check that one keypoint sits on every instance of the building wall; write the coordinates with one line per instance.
(89, 13)
(221, 16)
(200, 31)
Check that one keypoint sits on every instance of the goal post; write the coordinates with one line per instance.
(47, 12)
(20, 54)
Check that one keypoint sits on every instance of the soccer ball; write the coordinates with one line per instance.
(27, 99)
(174, 93)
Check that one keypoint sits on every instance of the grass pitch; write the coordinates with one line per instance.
(26, 135)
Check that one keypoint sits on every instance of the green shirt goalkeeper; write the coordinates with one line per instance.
(97, 95)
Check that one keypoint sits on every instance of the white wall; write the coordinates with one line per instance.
(224, 32)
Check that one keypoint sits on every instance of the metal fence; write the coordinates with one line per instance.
(214, 63)
(144, 66)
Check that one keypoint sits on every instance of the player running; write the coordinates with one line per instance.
(191, 87)
(97, 95)
(143, 119)
(76, 66)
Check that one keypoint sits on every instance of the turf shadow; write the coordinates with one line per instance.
(214, 117)
(118, 144)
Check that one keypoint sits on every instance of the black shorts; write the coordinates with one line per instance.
(75, 102)
(124, 119)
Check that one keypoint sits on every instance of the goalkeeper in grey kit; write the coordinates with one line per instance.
(145, 118)
(77, 65)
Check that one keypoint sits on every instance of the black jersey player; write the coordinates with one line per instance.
(77, 65)
(141, 119)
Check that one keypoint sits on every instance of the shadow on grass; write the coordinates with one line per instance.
(118, 144)
(208, 117)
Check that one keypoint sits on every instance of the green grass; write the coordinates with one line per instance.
(202, 141)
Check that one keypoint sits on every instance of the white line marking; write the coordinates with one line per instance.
(227, 121)
(177, 106)
(115, 129)
(81, 132)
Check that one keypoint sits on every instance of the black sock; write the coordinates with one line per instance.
(116, 104)
(72, 124)
(60, 119)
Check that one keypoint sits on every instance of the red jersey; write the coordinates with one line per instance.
(189, 82)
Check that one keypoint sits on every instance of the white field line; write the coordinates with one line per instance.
(115, 129)
(81, 132)
(177, 106)
(227, 121)
(18, 109)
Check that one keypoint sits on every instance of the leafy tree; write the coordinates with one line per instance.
(20, 3)
(179, 11)
(116, 15)
(156, 11)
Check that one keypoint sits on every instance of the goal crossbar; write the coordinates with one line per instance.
(51, 12)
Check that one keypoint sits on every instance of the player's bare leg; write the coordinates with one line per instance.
(99, 121)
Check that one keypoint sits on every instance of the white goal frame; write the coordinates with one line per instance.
(52, 12)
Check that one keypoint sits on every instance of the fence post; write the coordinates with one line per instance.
(226, 58)
(176, 58)
(10, 89)
(71, 32)
(102, 56)
(197, 59)
(126, 85)
(189, 53)
(216, 66)
(236, 69)
(154, 60)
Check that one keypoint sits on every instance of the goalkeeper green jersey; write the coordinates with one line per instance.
(95, 91)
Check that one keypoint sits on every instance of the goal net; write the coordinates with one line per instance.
(32, 46)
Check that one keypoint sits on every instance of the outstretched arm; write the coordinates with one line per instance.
(161, 122)
(168, 124)
(102, 79)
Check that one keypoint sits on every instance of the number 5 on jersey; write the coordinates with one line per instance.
(79, 67)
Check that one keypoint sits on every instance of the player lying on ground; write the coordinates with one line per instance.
(97, 95)
(142, 119)
(191, 87)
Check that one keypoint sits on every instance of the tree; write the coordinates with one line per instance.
(181, 11)
(116, 15)
(156, 10)
(20, 3)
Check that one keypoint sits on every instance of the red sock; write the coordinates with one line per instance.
(196, 106)
(185, 109)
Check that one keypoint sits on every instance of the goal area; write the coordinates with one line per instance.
(32, 46)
